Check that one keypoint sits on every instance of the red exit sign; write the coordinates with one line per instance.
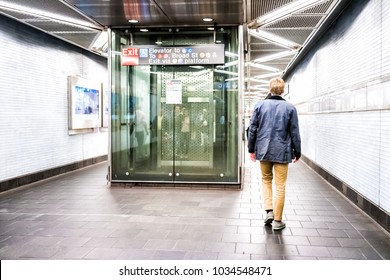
(130, 56)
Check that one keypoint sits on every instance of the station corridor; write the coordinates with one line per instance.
(78, 216)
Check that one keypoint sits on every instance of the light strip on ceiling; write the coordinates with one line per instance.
(226, 72)
(230, 54)
(268, 75)
(231, 79)
(231, 63)
(101, 43)
(275, 56)
(259, 87)
(262, 66)
(285, 11)
(201, 72)
(47, 15)
(257, 80)
(271, 38)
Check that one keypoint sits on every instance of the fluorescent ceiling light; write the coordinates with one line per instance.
(262, 66)
(263, 89)
(287, 10)
(231, 79)
(271, 38)
(226, 72)
(231, 63)
(230, 54)
(101, 42)
(274, 56)
(201, 72)
(257, 80)
(268, 75)
(196, 66)
(51, 16)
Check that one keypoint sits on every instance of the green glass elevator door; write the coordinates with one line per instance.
(187, 123)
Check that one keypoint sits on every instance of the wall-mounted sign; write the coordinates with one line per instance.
(173, 55)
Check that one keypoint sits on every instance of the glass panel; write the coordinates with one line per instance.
(194, 140)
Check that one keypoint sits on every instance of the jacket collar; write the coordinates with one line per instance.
(276, 97)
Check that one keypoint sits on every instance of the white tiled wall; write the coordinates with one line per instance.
(342, 92)
(34, 105)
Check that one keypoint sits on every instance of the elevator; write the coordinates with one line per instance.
(175, 121)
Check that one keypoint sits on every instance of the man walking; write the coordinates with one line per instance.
(274, 140)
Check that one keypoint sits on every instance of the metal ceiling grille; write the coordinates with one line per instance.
(277, 28)
(299, 21)
(259, 8)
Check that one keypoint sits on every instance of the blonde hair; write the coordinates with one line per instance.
(276, 86)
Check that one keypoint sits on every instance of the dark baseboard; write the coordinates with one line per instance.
(159, 185)
(46, 174)
(374, 211)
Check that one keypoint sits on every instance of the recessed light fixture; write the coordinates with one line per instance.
(144, 30)
(210, 28)
(207, 19)
(133, 20)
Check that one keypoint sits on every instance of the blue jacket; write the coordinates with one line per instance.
(274, 131)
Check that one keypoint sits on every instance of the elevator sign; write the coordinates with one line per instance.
(173, 55)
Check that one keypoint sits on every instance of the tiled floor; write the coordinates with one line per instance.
(78, 216)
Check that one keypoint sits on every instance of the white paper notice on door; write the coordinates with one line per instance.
(174, 92)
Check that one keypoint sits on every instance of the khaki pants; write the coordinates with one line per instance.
(280, 170)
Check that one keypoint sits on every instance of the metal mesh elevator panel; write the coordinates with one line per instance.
(193, 145)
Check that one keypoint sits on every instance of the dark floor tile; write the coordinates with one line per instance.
(230, 256)
(201, 256)
(13, 252)
(72, 253)
(313, 251)
(41, 252)
(323, 241)
(304, 232)
(104, 254)
(45, 241)
(332, 233)
(347, 253)
(168, 255)
(128, 254)
(265, 239)
(371, 254)
(281, 250)
(314, 225)
(160, 244)
(294, 240)
(100, 242)
(219, 247)
(248, 248)
(129, 243)
(266, 257)
(381, 246)
(352, 242)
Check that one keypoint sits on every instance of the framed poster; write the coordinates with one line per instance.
(105, 106)
(84, 103)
